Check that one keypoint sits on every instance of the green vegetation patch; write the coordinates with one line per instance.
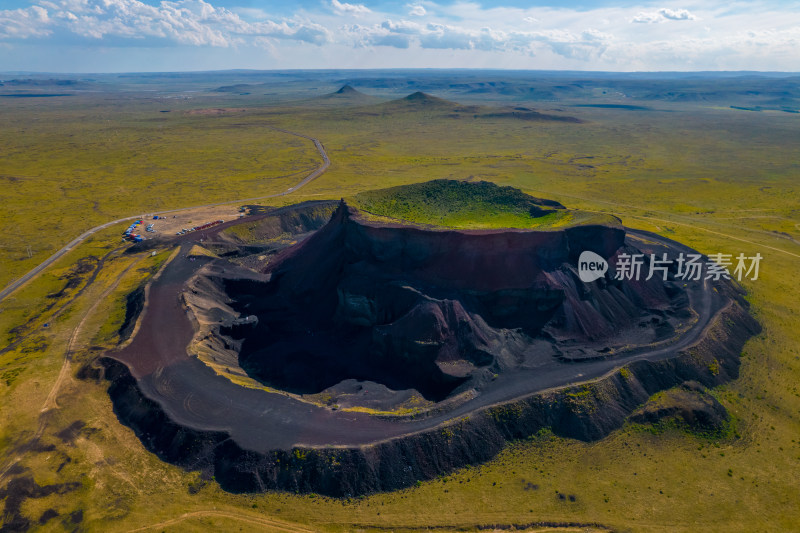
(467, 205)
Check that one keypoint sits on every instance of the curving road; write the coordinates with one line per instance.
(194, 396)
(326, 162)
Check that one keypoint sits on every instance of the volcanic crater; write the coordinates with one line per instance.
(332, 364)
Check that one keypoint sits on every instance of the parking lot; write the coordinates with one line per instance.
(169, 225)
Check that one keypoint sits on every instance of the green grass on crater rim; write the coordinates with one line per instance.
(469, 205)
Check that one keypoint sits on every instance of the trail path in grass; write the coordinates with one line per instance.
(264, 523)
(326, 162)
(50, 402)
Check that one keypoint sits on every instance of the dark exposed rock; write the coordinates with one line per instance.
(435, 311)
(134, 303)
(18, 490)
(586, 412)
(689, 404)
(71, 432)
(48, 515)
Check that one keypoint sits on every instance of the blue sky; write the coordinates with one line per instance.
(174, 35)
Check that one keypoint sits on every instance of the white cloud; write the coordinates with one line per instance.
(445, 37)
(647, 18)
(350, 9)
(680, 14)
(24, 23)
(416, 10)
(251, 12)
(404, 26)
(391, 39)
(738, 36)
(584, 45)
(188, 22)
(663, 15)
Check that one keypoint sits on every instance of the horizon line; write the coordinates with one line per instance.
(404, 69)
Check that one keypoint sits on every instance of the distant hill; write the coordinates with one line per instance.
(419, 101)
(347, 90)
(42, 88)
(524, 113)
(348, 95)
(43, 83)
(422, 98)
(424, 102)
(240, 88)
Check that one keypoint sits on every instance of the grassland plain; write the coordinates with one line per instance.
(719, 180)
(72, 165)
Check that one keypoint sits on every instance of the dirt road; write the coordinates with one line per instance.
(16, 284)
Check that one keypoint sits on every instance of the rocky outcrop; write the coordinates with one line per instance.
(690, 405)
(435, 310)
